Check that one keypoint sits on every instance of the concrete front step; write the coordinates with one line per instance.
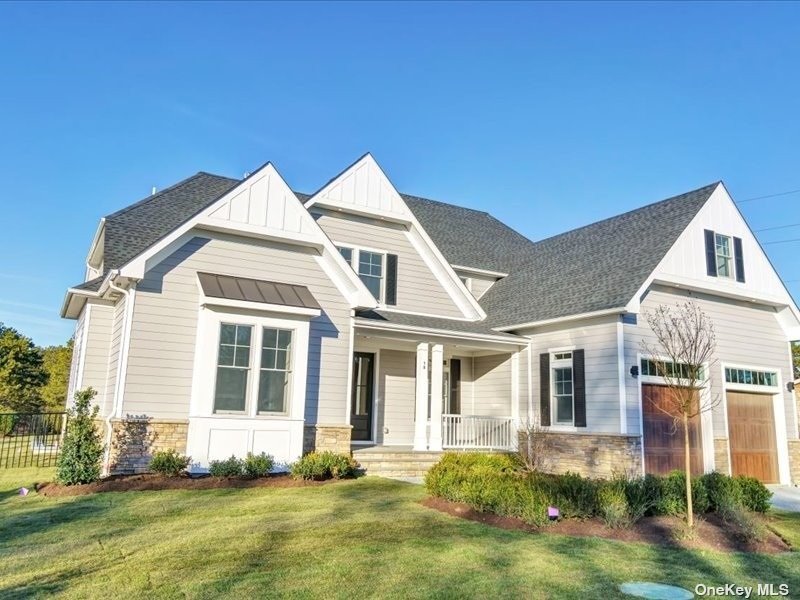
(392, 463)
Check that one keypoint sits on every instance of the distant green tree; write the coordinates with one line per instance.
(22, 374)
(796, 357)
(56, 362)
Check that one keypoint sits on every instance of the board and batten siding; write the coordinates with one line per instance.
(491, 385)
(162, 346)
(598, 339)
(96, 346)
(746, 334)
(396, 395)
(418, 290)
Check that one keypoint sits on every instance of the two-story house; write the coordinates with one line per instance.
(225, 316)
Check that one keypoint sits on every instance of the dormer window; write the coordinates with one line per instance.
(377, 269)
(724, 256)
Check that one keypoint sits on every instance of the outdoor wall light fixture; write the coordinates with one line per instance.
(635, 371)
(790, 386)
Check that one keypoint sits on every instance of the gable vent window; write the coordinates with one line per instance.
(724, 256)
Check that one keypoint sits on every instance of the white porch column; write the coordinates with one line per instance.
(421, 399)
(437, 368)
(515, 388)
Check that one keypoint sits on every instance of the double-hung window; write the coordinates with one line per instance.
(723, 246)
(369, 266)
(232, 392)
(563, 389)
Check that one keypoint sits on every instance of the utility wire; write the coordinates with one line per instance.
(778, 227)
(768, 196)
(781, 241)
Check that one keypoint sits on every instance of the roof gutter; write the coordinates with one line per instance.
(578, 317)
(478, 337)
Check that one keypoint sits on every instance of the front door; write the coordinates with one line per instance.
(363, 396)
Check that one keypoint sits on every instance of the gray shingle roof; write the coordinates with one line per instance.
(596, 267)
(467, 237)
(396, 318)
(92, 285)
(132, 230)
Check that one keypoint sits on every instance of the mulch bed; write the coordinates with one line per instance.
(711, 533)
(151, 482)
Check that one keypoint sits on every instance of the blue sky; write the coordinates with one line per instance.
(550, 116)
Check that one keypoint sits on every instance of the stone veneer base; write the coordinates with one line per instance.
(721, 456)
(135, 439)
(592, 454)
(794, 461)
(335, 438)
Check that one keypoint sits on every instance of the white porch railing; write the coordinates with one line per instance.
(472, 432)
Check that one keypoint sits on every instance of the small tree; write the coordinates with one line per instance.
(534, 446)
(685, 339)
(82, 451)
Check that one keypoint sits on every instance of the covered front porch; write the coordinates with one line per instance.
(438, 392)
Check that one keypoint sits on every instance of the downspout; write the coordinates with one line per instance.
(115, 406)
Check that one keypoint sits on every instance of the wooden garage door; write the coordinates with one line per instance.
(751, 429)
(663, 440)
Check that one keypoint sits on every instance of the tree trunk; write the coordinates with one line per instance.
(688, 466)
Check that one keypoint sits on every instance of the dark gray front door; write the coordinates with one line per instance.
(363, 396)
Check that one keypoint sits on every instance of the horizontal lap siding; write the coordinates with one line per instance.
(745, 334)
(114, 349)
(598, 340)
(161, 355)
(96, 352)
(396, 390)
(418, 290)
(491, 387)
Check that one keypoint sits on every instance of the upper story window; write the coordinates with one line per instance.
(563, 389)
(724, 256)
(347, 254)
(371, 269)
(723, 245)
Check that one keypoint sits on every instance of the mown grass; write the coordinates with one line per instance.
(361, 538)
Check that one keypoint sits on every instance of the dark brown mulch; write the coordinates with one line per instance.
(711, 533)
(151, 482)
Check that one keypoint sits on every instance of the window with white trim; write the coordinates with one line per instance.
(664, 368)
(232, 388)
(563, 388)
(723, 248)
(751, 377)
(370, 271)
(347, 254)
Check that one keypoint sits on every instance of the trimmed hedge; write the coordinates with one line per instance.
(169, 463)
(324, 465)
(497, 483)
(252, 467)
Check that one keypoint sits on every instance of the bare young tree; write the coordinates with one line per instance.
(683, 354)
(534, 447)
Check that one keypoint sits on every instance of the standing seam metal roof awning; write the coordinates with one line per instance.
(256, 290)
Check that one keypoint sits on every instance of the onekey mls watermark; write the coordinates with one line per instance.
(731, 590)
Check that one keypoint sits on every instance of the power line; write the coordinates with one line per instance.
(778, 227)
(781, 241)
(768, 196)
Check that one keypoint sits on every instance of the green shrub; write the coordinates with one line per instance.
(643, 495)
(612, 504)
(745, 524)
(753, 494)
(7, 423)
(723, 493)
(257, 465)
(324, 465)
(575, 496)
(672, 500)
(81, 451)
(169, 463)
(230, 467)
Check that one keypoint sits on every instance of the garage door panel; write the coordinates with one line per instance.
(663, 438)
(751, 433)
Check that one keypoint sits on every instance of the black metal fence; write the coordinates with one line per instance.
(30, 439)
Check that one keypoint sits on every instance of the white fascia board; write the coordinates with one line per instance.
(399, 212)
(261, 306)
(476, 271)
(567, 319)
(95, 241)
(348, 283)
(500, 339)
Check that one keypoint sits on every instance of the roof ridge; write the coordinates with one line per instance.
(629, 212)
(160, 193)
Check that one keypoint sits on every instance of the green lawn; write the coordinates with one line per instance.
(363, 538)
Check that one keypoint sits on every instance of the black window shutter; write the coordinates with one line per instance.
(711, 254)
(739, 259)
(391, 279)
(455, 386)
(579, 380)
(544, 389)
